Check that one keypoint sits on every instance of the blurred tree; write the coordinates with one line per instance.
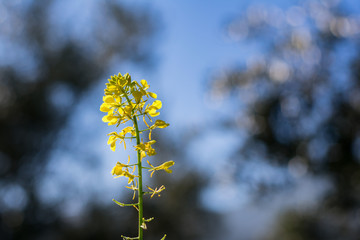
(51, 55)
(53, 52)
(299, 104)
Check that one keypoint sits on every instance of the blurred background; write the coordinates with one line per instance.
(263, 98)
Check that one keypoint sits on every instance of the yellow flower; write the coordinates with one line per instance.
(159, 124)
(156, 191)
(110, 118)
(126, 101)
(144, 84)
(144, 87)
(127, 130)
(112, 142)
(105, 107)
(151, 110)
(165, 166)
(146, 148)
(119, 171)
(114, 136)
(108, 99)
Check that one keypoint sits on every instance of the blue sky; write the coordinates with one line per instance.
(190, 45)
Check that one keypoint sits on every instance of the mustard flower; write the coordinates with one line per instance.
(156, 191)
(165, 166)
(146, 148)
(122, 170)
(125, 101)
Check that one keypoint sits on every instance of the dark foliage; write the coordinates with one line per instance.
(45, 73)
(39, 90)
(300, 108)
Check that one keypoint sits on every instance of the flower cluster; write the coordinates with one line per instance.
(129, 101)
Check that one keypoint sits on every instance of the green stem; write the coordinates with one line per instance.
(140, 190)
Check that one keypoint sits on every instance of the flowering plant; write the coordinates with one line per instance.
(126, 101)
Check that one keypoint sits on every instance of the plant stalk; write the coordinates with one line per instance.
(140, 189)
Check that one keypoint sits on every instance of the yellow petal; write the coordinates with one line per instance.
(105, 107)
(113, 146)
(153, 113)
(112, 121)
(111, 139)
(157, 104)
(153, 95)
(144, 84)
(107, 118)
(117, 170)
(161, 124)
(104, 118)
(108, 99)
